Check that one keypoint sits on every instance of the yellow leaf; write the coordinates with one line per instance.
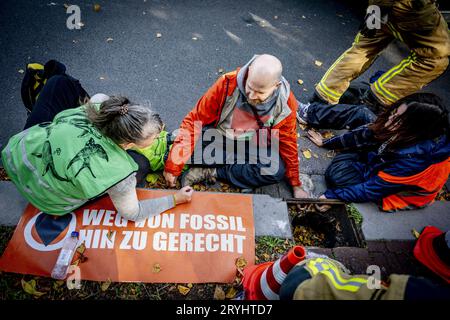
(105, 285)
(30, 288)
(219, 294)
(152, 178)
(266, 256)
(189, 285)
(327, 135)
(156, 268)
(183, 290)
(307, 153)
(318, 63)
(300, 81)
(415, 233)
(231, 293)
(97, 7)
(241, 262)
(81, 248)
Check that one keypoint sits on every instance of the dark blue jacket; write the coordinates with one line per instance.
(401, 163)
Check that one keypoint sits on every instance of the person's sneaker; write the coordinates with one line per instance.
(302, 112)
(196, 175)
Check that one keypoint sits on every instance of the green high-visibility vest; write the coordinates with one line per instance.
(58, 166)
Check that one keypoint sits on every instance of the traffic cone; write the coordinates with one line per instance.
(263, 281)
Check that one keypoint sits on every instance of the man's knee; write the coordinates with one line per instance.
(275, 172)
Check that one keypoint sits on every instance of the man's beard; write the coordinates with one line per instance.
(254, 102)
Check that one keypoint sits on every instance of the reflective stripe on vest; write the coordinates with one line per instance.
(430, 181)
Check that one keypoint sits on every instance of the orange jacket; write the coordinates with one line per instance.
(208, 110)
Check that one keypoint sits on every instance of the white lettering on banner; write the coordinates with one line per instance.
(139, 241)
(198, 242)
(195, 241)
(211, 222)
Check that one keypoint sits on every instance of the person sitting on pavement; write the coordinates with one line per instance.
(400, 161)
(70, 154)
(240, 106)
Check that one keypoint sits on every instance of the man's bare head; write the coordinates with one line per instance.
(263, 78)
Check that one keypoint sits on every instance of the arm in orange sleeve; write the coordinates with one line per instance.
(204, 113)
(288, 144)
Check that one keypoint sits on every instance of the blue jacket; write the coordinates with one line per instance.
(400, 163)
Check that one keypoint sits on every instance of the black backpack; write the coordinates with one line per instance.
(36, 75)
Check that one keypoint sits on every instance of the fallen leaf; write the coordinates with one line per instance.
(97, 7)
(300, 81)
(102, 78)
(81, 248)
(415, 233)
(76, 262)
(189, 285)
(158, 35)
(58, 284)
(306, 153)
(318, 63)
(315, 156)
(109, 40)
(266, 256)
(241, 262)
(110, 234)
(105, 285)
(194, 38)
(219, 294)
(183, 290)
(327, 135)
(156, 268)
(30, 288)
(231, 293)
(21, 71)
(330, 154)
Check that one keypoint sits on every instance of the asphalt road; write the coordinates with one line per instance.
(197, 39)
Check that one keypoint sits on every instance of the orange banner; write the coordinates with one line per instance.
(196, 242)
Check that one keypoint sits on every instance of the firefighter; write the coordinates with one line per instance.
(418, 24)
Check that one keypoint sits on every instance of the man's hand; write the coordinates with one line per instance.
(171, 180)
(300, 193)
(315, 137)
(324, 207)
(184, 195)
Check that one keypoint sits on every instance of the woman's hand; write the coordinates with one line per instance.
(184, 195)
(315, 137)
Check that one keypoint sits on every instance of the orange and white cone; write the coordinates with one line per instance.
(263, 281)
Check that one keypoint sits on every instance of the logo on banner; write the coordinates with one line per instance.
(49, 228)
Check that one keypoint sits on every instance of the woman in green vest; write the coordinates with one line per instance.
(70, 154)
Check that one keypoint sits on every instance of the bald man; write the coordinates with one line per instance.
(234, 117)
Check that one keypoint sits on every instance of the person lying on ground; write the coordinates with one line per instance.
(243, 106)
(400, 161)
(70, 154)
